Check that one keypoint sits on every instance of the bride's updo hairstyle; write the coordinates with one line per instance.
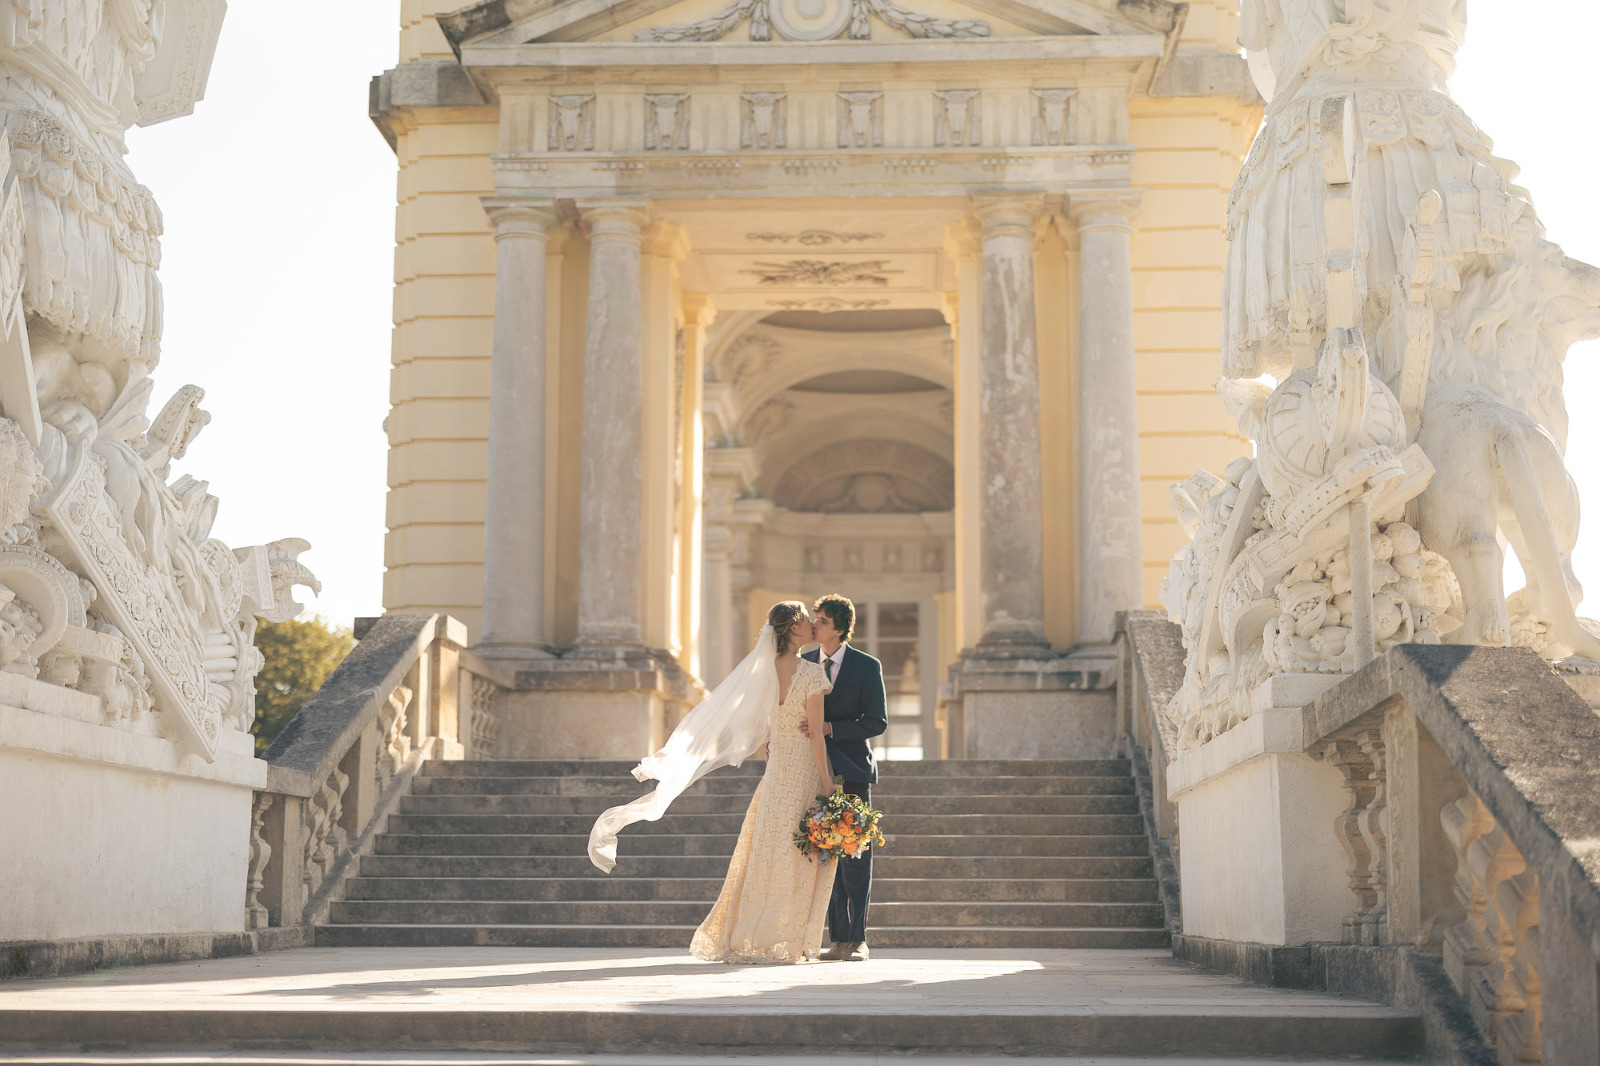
(782, 618)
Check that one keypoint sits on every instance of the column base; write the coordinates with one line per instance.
(574, 708)
(1046, 707)
(512, 654)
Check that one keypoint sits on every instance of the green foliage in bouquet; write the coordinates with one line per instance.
(838, 825)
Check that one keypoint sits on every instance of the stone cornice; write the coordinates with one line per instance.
(700, 61)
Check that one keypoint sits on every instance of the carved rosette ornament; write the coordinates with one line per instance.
(1394, 326)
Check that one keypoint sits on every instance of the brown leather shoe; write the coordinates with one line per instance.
(837, 952)
(858, 952)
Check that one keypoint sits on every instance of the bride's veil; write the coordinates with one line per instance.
(725, 729)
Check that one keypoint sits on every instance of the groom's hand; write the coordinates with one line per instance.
(827, 729)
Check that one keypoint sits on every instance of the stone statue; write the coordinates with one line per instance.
(1394, 323)
(110, 581)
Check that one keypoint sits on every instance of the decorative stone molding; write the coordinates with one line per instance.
(666, 121)
(813, 20)
(1052, 117)
(572, 123)
(825, 304)
(861, 119)
(957, 119)
(830, 273)
(762, 121)
(813, 238)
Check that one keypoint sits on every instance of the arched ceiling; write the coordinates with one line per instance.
(843, 420)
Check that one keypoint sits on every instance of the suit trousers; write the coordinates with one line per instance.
(852, 885)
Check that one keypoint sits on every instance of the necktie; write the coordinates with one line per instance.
(827, 668)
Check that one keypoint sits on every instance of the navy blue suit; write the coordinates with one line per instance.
(858, 710)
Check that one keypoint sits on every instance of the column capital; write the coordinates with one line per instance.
(520, 218)
(1092, 208)
(699, 309)
(1008, 213)
(668, 240)
(963, 239)
(615, 218)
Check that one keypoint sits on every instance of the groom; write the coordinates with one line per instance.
(855, 711)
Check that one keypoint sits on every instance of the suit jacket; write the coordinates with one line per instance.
(858, 710)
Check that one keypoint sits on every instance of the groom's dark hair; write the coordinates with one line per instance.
(840, 611)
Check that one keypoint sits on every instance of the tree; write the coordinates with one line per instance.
(300, 655)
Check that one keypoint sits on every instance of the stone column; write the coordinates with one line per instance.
(611, 502)
(1111, 557)
(728, 472)
(1011, 553)
(514, 520)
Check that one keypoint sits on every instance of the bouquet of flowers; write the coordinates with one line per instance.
(836, 825)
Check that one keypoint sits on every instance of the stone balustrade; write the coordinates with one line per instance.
(409, 692)
(1470, 889)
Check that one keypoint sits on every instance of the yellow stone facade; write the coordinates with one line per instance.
(1185, 109)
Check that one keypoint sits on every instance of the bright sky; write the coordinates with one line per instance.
(277, 262)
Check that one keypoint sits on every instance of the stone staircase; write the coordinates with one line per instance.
(980, 854)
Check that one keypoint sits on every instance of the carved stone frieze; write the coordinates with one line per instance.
(957, 119)
(1052, 116)
(827, 304)
(861, 119)
(872, 272)
(666, 121)
(814, 238)
(813, 20)
(762, 120)
(572, 123)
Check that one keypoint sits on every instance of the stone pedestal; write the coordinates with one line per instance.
(610, 594)
(1050, 708)
(112, 832)
(572, 709)
(1111, 563)
(1259, 861)
(514, 519)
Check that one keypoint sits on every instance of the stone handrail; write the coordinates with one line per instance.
(342, 764)
(1150, 671)
(1474, 833)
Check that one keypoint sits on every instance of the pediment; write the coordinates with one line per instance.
(512, 22)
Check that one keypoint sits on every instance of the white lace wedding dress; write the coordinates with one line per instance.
(774, 900)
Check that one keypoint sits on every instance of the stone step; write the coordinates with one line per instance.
(885, 865)
(722, 844)
(667, 936)
(677, 912)
(884, 889)
(674, 824)
(625, 787)
(591, 806)
(623, 768)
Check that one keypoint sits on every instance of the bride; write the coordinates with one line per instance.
(774, 899)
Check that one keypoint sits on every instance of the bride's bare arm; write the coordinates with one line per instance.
(819, 749)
